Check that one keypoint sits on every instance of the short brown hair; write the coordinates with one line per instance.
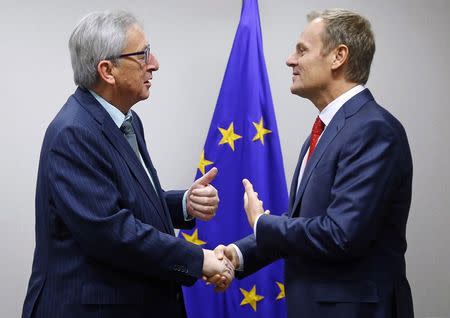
(354, 31)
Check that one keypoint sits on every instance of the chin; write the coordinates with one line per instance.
(296, 90)
(145, 95)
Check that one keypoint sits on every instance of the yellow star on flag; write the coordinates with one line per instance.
(193, 238)
(228, 136)
(250, 298)
(203, 163)
(260, 131)
(281, 295)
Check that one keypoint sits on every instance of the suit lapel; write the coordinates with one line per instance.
(115, 137)
(151, 169)
(337, 123)
(329, 134)
(294, 184)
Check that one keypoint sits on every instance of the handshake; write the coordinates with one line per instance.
(219, 266)
(202, 202)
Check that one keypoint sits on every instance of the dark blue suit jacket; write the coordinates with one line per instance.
(343, 238)
(105, 244)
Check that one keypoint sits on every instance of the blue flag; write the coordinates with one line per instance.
(242, 143)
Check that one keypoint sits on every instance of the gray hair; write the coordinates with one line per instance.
(98, 36)
(354, 31)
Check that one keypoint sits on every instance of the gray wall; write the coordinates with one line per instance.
(192, 40)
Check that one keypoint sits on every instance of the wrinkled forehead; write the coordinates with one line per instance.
(136, 38)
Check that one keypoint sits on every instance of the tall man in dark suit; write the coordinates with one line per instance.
(105, 244)
(343, 238)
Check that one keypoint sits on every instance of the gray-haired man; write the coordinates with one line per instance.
(105, 244)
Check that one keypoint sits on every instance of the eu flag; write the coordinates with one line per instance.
(242, 142)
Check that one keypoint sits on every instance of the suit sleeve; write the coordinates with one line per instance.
(86, 197)
(367, 163)
(174, 202)
(254, 256)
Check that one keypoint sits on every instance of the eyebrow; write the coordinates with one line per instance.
(142, 48)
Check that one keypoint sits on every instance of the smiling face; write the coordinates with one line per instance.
(133, 74)
(311, 69)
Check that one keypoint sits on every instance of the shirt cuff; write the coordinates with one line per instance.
(187, 217)
(240, 256)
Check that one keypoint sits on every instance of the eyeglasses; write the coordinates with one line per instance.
(145, 53)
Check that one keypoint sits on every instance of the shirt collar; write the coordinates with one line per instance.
(117, 116)
(327, 114)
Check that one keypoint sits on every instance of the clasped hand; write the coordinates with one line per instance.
(228, 255)
(217, 270)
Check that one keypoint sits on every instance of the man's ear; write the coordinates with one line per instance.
(340, 56)
(105, 71)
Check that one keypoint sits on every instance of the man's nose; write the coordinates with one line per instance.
(291, 60)
(153, 63)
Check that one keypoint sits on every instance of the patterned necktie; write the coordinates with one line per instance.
(316, 131)
(128, 131)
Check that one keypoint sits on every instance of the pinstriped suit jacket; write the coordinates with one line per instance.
(105, 244)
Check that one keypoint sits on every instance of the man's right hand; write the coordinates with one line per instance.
(229, 252)
(223, 252)
(220, 272)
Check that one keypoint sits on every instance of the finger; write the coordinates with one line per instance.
(219, 252)
(248, 186)
(216, 279)
(228, 263)
(202, 216)
(222, 287)
(205, 209)
(207, 177)
(230, 253)
(204, 191)
(204, 200)
(225, 279)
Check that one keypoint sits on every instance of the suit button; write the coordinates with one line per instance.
(178, 296)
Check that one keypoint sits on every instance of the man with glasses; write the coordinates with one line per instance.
(105, 244)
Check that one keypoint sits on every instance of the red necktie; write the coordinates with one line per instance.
(316, 131)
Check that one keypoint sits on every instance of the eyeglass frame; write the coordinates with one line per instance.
(145, 52)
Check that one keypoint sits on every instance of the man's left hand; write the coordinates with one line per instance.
(252, 205)
(202, 199)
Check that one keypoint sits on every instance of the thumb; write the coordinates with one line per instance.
(219, 251)
(248, 186)
(207, 177)
(245, 200)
